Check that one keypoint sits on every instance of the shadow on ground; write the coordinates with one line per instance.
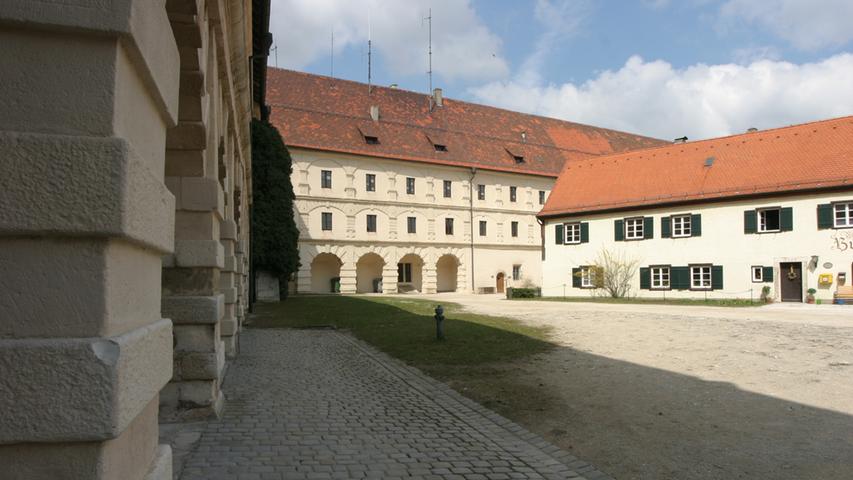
(629, 420)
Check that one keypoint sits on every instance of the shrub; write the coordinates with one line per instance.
(525, 293)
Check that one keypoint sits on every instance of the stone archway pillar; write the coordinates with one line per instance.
(429, 280)
(348, 280)
(389, 278)
(462, 285)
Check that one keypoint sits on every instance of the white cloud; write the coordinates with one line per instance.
(700, 101)
(463, 47)
(807, 24)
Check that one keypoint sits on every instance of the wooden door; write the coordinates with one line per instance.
(500, 283)
(791, 279)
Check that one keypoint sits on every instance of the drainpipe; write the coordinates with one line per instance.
(471, 213)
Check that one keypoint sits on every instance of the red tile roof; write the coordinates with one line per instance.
(323, 113)
(811, 156)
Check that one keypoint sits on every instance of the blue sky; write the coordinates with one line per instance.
(664, 68)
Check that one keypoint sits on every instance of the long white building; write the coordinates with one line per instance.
(719, 218)
(401, 191)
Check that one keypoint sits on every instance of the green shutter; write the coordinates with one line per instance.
(559, 236)
(679, 278)
(717, 277)
(767, 274)
(824, 216)
(584, 232)
(665, 227)
(645, 278)
(696, 225)
(648, 227)
(576, 278)
(619, 230)
(750, 221)
(786, 219)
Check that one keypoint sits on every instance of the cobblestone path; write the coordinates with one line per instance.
(306, 404)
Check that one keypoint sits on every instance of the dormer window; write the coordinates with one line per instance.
(518, 159)
(370, 134)
(517, 154)
(439, 147)
(438, 140)
(371, 140)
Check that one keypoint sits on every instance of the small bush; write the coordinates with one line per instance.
(525, 293)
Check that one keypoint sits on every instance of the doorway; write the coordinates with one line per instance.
(499, 282)
(791, 279)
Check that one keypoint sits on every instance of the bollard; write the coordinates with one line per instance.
(439, 323)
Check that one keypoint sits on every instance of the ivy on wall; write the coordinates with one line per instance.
(274, 232)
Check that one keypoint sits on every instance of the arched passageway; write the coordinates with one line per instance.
(368, 271)
(446, 270)
(325, 273)
(410, 273)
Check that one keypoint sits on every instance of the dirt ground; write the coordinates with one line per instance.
(659, 392)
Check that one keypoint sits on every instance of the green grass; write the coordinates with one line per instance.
(404, 328)
(735, 302)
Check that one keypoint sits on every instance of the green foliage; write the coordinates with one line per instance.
(274, 232)
(525, 292)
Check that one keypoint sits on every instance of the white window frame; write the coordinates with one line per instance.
(637, 232)
(516, 272)
(682, 226)
(661, 277)
(587, 276)
(762, 220)
(847, 209)
(370, 182)
(704, 271)
(760, 271)
(572, 232)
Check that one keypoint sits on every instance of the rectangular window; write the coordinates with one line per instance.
(481, 192)
(512, 194)
(326, 220)
(587, 277)
(843, 215)
(516, 272)
(412, 224)
(404, 272)
(371, 223)
(447, 188)
(757, 274)
(513, 227)
(370, 182)
(482, 228)
(700, 277)
(541, 197)
(769, 220)
(634, 228)
(573, 233)
(681, 226)
(326, 179)
(660, 278)
(448, 226)
(410, 185)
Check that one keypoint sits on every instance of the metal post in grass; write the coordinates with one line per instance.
(439, 323)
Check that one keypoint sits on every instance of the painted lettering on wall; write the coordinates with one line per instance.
(842, 241)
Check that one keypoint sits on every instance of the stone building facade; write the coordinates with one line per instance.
(125, 185)
(398, 191)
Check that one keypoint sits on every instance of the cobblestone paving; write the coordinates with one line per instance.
(307, 404)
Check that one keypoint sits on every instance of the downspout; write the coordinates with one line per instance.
(471, 213)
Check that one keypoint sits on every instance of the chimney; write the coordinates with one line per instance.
(374, 112)
(436, 97)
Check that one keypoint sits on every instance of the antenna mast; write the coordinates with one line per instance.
(429, 21)
(369, 65)
(332, 67)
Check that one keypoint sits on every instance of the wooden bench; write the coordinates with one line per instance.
(844, 293)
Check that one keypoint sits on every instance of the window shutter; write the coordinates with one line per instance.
(750, 221)
(648, 227)
(717, 277)
(824, 216)
(584, 232)
(786, 219)
(767, 274)
(559, 234)
(679, 278)
(696, 225)
(576, 278)
(665, 227)
(619, 230)
(645, 278)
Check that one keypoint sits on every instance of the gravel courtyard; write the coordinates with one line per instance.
(660, 392)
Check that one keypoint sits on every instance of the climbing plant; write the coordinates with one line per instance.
(274, 232)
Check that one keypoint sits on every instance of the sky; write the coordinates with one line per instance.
(662, 68)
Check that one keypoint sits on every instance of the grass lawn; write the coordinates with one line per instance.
(405, 328)
(734, 302)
